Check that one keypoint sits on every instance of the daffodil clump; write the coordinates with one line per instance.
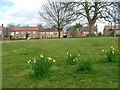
(41, 65)
(72, 58)
(112, 54)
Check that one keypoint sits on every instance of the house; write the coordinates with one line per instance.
(20, 32)
(73, 32)
(1, 32)
(111, 30)
(49, 33)
(85, 31)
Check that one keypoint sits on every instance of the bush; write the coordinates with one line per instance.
(84, 66)
(112, 54)
(71, 58)
(41, 65)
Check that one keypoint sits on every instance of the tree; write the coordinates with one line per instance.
(93, 11)
(27, 35)
(78, 26)
(57, 14)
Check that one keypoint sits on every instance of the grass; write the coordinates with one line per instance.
(16, 73)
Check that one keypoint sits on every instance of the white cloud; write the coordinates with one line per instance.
(21, 12)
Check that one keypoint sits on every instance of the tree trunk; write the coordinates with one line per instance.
(58, 33)
(91, 29)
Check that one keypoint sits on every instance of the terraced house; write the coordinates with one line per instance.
(33, 31)
(1, 32)
(111, 30)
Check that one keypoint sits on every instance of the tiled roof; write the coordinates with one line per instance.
(48, 30)
(25, 28)
(112, 27)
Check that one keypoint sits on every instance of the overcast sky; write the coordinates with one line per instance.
(24, 12)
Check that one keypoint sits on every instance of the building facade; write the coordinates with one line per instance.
(1, 32)
(111, 30)
(34, 32)
(85, 31)
(20, 32)
(49, 33)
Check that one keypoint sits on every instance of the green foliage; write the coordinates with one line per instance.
(41, 65)
(112, 32)
(112, 54)
(71, 58)
(27, 35)
(84, 66)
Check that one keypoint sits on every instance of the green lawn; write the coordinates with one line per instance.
(16, 73)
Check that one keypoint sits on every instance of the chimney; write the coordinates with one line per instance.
(2, 25)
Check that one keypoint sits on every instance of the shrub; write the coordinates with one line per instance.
(41, 65)
(84, 66)
(112, 54)
(71, 58)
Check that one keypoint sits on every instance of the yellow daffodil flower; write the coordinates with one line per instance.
(113, 52)
(34, 61)
(78, 54)
(29, 61)
(111, 46)
(103, 50)
(54, 60)
(67, 53)
(41, 56)
(49, 58)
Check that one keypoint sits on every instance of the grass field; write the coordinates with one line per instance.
(16, 73)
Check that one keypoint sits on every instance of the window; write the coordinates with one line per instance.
(34, 32)
(51, 33)
(17, 32)
(42, 33)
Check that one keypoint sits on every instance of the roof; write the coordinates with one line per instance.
(25, 28)
(86, 29)
(112, 27)
(48, 30)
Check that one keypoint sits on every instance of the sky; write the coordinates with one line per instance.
(25, 12)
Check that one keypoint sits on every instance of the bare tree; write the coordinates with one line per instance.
(93, 10)
(57, 14)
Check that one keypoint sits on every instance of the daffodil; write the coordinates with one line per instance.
(29, 61)
(49, 58)
(34, 61)
(113, 52)
(111, 46)
(67, 53)
(78, 54)
(103, 50)
(41, 56)
(54, 60)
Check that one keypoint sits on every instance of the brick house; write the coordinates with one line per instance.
(20, 32)
(108, 30)
(34, 32)
(49, 33)
(1, 32)
(73, 32)
(85, 31)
